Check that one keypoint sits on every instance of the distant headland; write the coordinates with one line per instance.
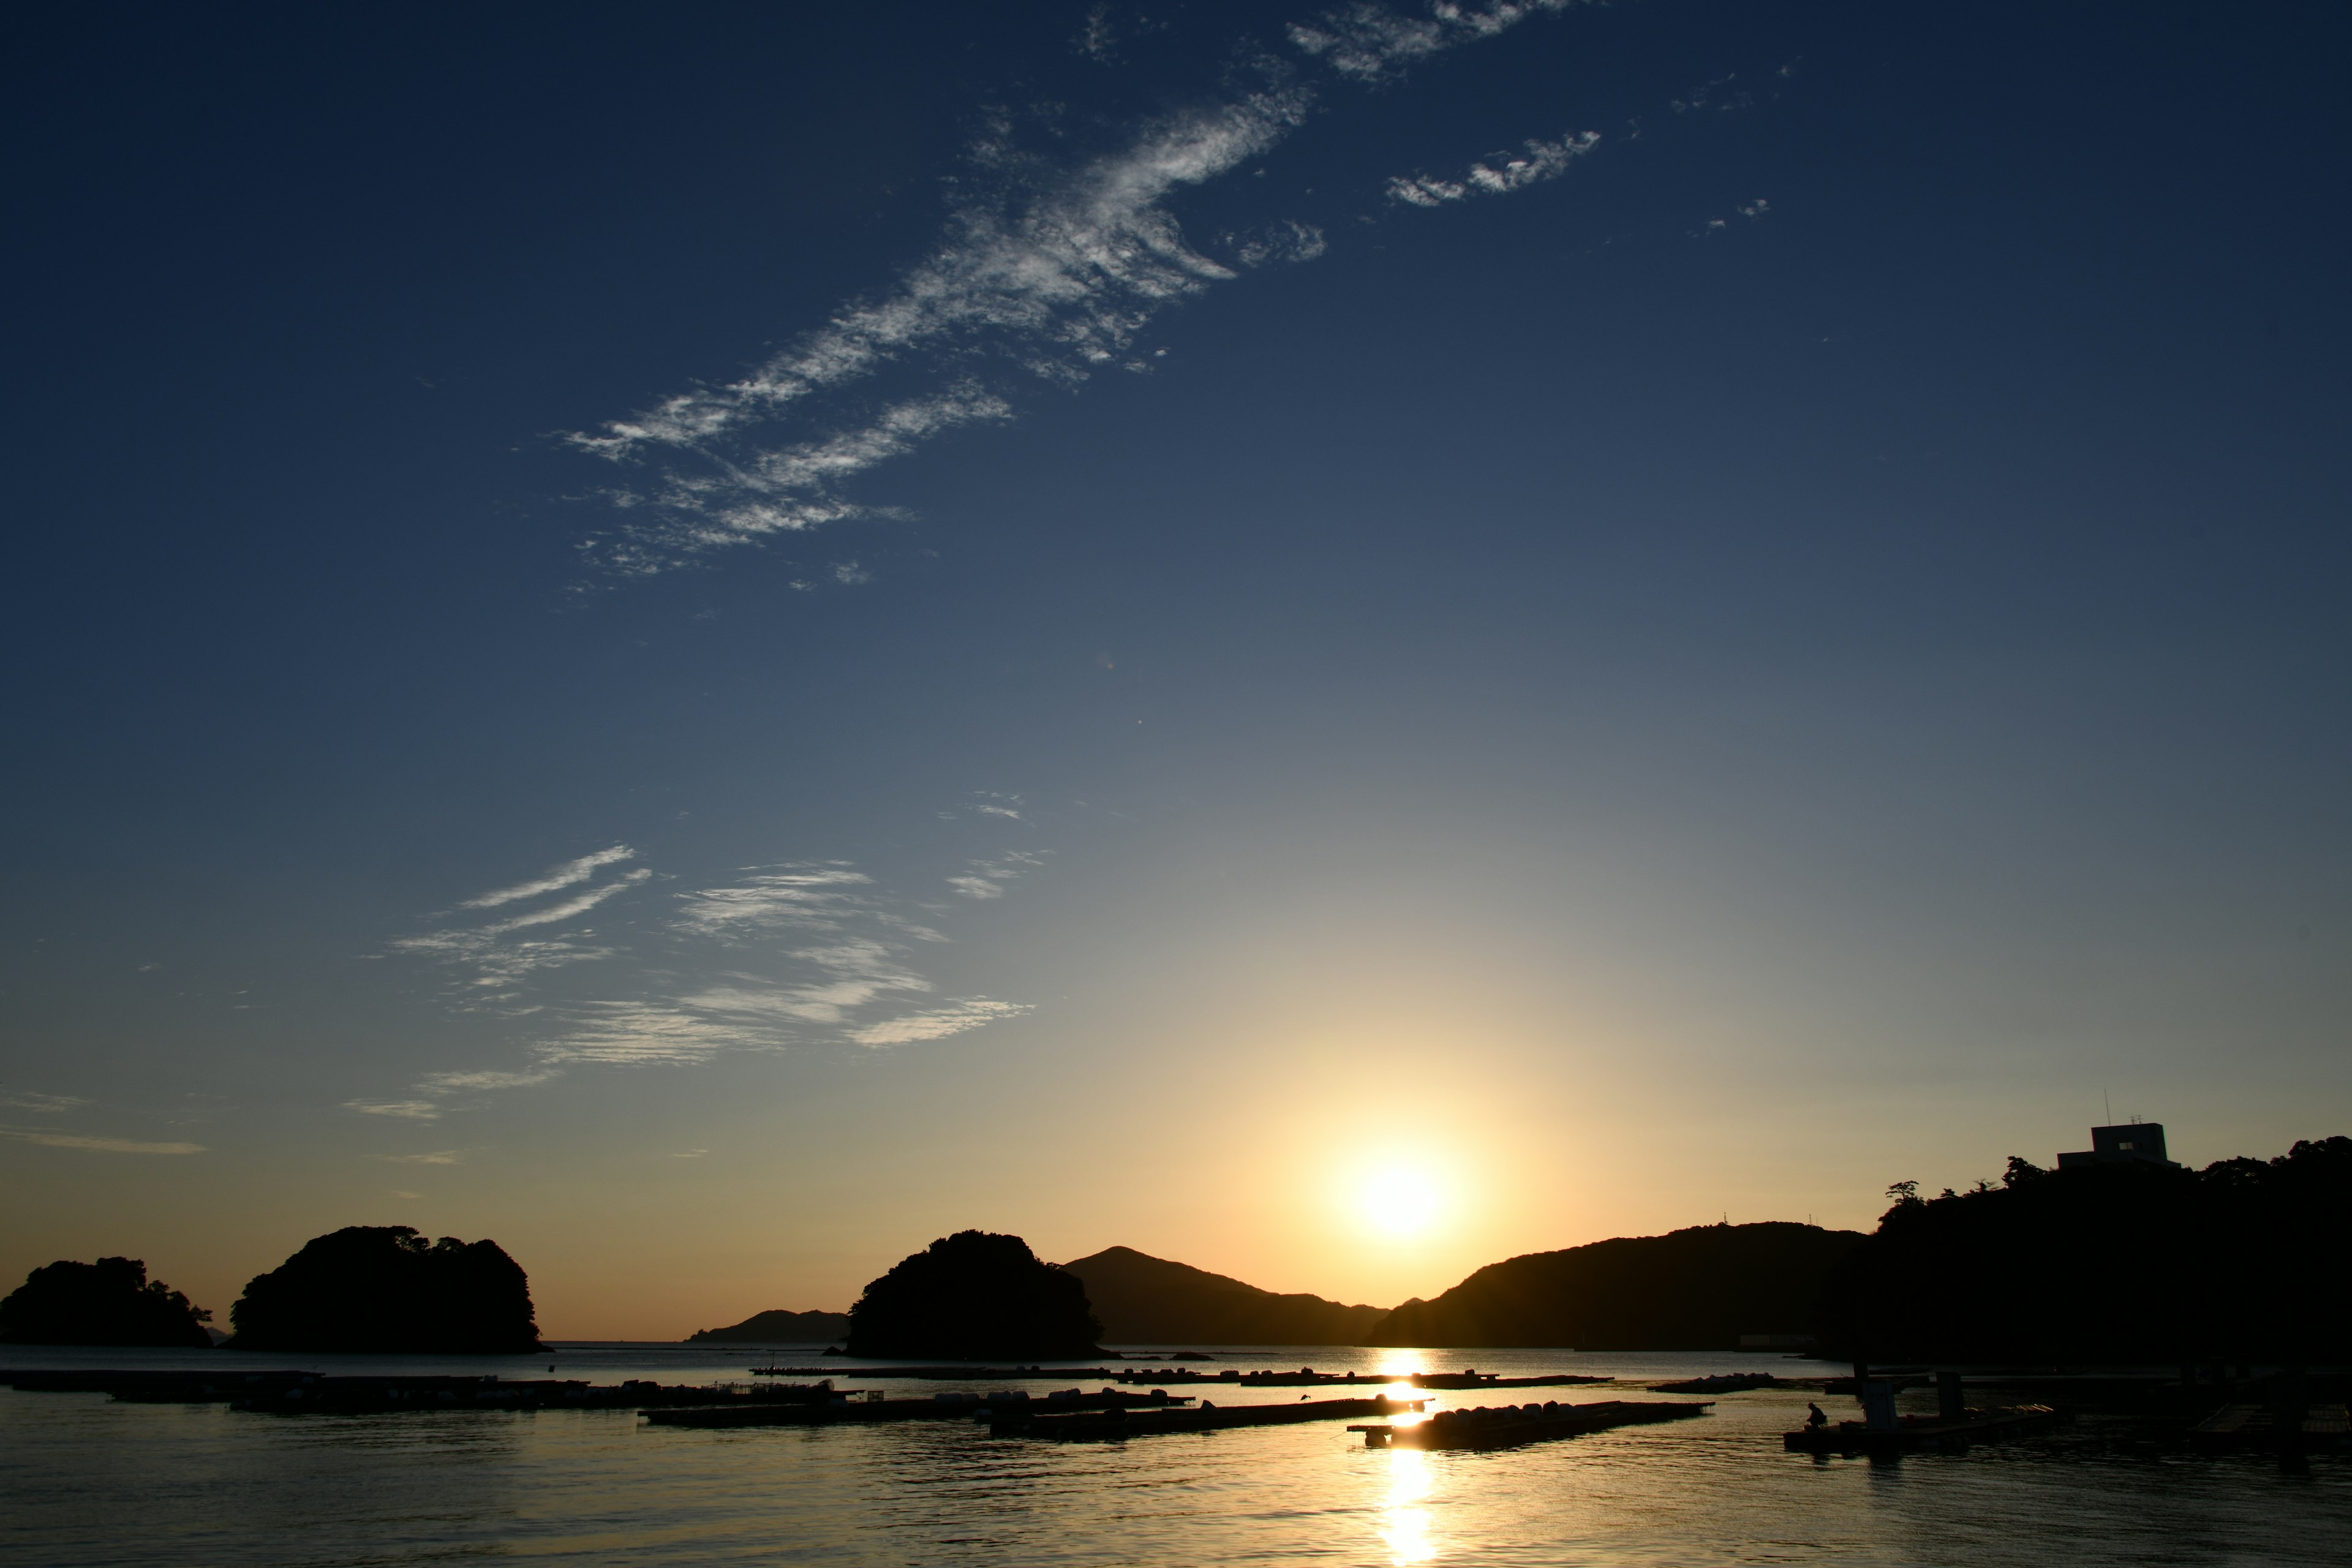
(2118, 1255)
(1701, 1288)
(777, 1326)
(1142, 1299)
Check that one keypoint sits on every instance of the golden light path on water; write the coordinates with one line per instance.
(95, 1483)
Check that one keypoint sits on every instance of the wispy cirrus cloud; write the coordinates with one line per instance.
(1050, 268)
(936, 1023)
(490, 947)
(801, 953)
(1498, 175)
(98, 1146)
(988, 879)
(412, 1110)
(1379, 43)
(1054, 270)
(47, 1104)
(554, 879)
(439, 1157)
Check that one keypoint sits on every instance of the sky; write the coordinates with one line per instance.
(1334, 643)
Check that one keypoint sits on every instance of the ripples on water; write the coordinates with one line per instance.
(86, 1482)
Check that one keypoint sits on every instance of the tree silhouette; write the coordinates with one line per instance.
(384, 1288)
(108, 1302)
(974, 1295)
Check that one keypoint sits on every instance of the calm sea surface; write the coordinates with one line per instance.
(85, 1481)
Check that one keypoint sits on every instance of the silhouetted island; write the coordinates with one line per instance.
(777, 1326)
(2110, 1259)
(384, 1287)
(1141, 1298)
(108, 1302)
(1695, 1290)
(974, 1295)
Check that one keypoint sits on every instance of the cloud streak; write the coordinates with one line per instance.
(797, 954)
(556, 879)
(1498, 175)
(1053, 270)
(101, 1145)
(1047, 273)
(47, 1104)
(1377, 43)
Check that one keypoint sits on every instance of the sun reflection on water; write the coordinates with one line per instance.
(1405, 1525)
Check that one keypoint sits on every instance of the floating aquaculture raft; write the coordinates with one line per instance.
(1111, 1425)
(1913, 1433)
(1510, 1425)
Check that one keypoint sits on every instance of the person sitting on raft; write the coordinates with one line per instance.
(1816, 1420)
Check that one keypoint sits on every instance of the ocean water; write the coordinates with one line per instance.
(86, 1482)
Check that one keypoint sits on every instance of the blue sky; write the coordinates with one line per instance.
(1093, 620)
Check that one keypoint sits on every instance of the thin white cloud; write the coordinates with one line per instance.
(441, 1157)
(1054, 270)
(938, 1023)
(463, 1082)
(414, 1110)
(1051, 270)
(1374, 43)
(556, 877)
(797, 954)
(805, 895)
(570, 908)
(1500, 174)
(101, 1145)
(47, 1104)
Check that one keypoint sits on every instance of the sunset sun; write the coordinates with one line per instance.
(1399, 1200)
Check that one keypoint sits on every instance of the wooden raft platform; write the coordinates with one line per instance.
(1913, 1433)
(1115, 1425)
(943, 1408)
(2257, 1427)
(1307, 1377)
(1512, 1426)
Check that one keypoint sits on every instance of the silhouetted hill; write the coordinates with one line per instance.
(778, 1327)
(1141, 1298)
(1687, 1290)
(384, 1288)
(108, 1302)
(973, 1295)
(2244, 1260)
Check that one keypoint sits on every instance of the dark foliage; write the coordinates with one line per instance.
(1141, 1297)
(2244, 1260)
(973, 1295)
(1688, 1290)
(384, 1288)
(777, 1326)
(108, 1302)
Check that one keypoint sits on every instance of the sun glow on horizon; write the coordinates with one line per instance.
(1400, 1200)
